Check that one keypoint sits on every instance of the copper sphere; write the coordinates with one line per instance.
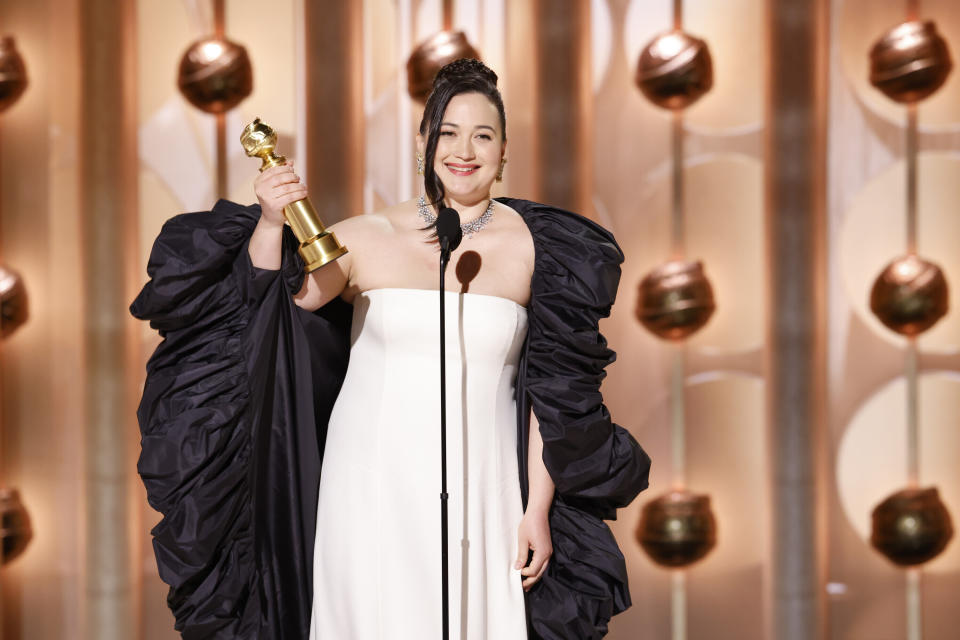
(675, 70)
(910, 62)
(13, 302)
(428, 58)
(15, 530)
(911, 527)
(215, 75)
(677, 529)
(910, 295)
(675, 300)
(13, 74)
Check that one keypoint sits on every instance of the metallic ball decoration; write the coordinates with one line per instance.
(15, 529)
(910, 295)
(675, 70)
(13, 302)
(911, 526)
(432, 54)
(910, 62)
(675, 300)
(13, 74)
(677, 529)
(215, 75)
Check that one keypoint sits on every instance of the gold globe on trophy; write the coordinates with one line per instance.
(317, 245)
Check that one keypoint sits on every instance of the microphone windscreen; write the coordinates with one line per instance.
(448, 228)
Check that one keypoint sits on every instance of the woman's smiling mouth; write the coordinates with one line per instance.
(461, 169)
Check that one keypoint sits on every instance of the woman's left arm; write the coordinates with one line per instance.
(534, 531)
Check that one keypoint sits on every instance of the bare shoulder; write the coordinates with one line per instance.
(509, 215)
(360, 228)
(514, 225)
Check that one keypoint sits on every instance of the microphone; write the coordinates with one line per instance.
(448, 230)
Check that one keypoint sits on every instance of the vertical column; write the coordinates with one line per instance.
(796, 142)
(564, 104)
(334, 95)
(518, 83)
(109, 207)
(2, 443)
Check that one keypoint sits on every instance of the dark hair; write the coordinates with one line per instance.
(460, 76)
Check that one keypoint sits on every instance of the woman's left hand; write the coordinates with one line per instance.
(534, 535)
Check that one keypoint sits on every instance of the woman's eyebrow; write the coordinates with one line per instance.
(479, 126)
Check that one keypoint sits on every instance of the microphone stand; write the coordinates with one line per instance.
(445, 589)
(449, 235)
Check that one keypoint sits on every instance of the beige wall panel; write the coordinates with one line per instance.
(874, 232)
(734, 31)
(724, 186)
(860, 23)
(41, 395)
(866, 361)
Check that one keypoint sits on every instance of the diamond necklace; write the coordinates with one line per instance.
(468, 228)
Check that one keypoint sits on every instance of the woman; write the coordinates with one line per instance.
(531, 284)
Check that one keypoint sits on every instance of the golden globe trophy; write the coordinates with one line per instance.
(317, 245)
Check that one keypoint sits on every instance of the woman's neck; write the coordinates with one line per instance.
(469, 210)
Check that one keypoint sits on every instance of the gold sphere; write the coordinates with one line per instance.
(13, 74)
(675, 70)
(677, 529)
(910, 295)
(215, 75)
(13, 302)
(430, 56)
(911, 526)
(15, 530)
(675, 300)
(258, 139)
(910, 61)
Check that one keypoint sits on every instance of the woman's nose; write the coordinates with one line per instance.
(466, 148)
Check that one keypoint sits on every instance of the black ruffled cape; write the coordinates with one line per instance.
(237, 397)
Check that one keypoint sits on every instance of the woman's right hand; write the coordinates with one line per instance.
(276, 188)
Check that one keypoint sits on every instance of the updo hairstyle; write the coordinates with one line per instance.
(460, 76)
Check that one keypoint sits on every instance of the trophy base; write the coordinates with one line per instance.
(320, 250)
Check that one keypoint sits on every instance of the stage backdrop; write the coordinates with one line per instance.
(331, 79)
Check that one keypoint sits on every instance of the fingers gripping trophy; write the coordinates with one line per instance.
(317, 245)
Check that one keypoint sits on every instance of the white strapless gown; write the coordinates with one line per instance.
(376, 568)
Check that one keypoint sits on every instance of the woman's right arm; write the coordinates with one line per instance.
(276, 188)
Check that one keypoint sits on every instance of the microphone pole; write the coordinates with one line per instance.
(449, 236)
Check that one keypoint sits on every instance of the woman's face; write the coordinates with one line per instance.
(469, 148)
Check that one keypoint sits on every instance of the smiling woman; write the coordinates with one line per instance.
(463, 131)
(535, 462)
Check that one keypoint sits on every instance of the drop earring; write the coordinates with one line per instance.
(419, 165)
(503, 161)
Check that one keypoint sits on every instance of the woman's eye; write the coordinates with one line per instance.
(485, 136)
(446, 133)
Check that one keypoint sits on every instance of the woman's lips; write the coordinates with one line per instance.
(462, 169)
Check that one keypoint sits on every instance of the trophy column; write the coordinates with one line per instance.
(317, 245)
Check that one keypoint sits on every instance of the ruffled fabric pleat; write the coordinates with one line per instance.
(231, 446)
(596, 465)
